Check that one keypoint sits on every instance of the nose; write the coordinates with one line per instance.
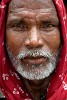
(34, 40)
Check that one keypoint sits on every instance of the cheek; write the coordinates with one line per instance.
(53, 41)
(15, 42)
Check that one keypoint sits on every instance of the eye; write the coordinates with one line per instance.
(19, 26)
(47, 26)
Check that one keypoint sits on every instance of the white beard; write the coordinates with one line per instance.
(35, 73)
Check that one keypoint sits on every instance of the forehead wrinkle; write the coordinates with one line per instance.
(37, 17)
(30, 13)
(30, 4)
(33, 15)
(47, 14)
(29, 19)
(24, 10)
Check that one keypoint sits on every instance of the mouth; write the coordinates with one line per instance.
(35, 60)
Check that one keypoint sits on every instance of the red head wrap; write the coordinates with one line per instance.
(10, 82)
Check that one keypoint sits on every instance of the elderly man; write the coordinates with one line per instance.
(33, 41)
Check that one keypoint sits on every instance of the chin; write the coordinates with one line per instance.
(36, 73)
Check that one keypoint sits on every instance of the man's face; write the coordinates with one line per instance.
(33, 37)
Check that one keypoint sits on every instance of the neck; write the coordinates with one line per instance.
(37, 88)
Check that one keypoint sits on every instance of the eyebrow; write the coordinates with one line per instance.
(41, 16)
(50, 17)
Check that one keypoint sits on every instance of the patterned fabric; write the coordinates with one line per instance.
(10, 82)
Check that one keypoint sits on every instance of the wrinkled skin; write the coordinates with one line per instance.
(32, 25)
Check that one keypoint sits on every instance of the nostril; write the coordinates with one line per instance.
(41, 42)
(27, 42)
(33, 46)
(34, 43)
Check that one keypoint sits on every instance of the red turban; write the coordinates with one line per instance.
(11, 84)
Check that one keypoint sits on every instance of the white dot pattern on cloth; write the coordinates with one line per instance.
(63, 82)
(4, 60)
(27, 99)
(2, 6)
(3, 43)
(64, 18)
(61, 76)
(2, 89)
(17, 76)
(66, 57)
(57, 2)
(15, 91)
(66, 35)
(14, 74)
(20, 89)
(5, 76)
(26, 94)
(64, 85)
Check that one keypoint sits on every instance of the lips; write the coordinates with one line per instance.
(35, 60)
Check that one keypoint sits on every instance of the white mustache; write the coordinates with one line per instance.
(35, 53)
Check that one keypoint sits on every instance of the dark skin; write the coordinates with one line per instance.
(30, 25)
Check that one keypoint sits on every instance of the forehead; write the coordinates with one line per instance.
(31, 5)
